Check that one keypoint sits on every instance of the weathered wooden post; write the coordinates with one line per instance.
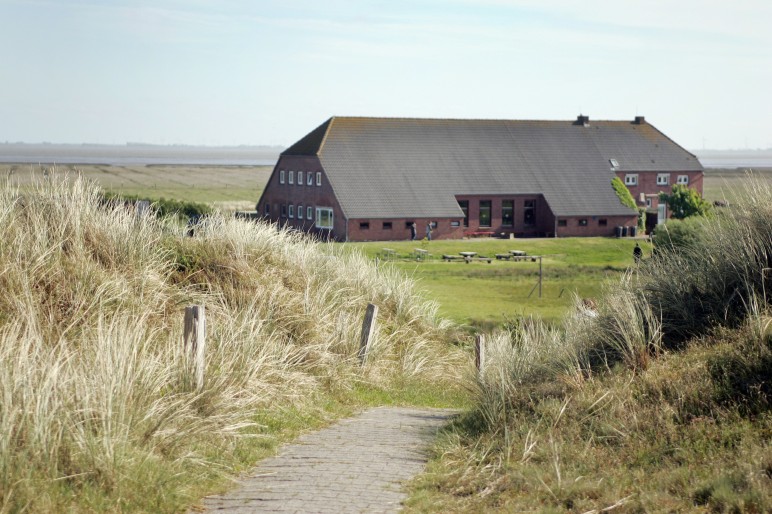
(368, 326)
(479, 352)
(195, 340)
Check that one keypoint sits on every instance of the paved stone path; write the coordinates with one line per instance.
(357, 465)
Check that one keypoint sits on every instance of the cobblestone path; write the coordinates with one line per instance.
(357, 465)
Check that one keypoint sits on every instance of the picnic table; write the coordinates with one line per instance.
(388, 254)
(421, 254)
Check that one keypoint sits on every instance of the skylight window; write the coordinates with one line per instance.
(614, 163)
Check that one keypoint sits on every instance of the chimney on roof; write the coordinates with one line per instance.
(582, 120)
(640, 120)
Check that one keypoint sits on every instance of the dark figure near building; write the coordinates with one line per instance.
(412, 231)
(637, 253)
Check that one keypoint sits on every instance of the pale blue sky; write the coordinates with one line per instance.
(222, 72)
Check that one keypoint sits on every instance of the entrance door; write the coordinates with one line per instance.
(661, 213)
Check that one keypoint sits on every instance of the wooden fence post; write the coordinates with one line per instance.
(195, 339)
(479, 352)
(368, 325)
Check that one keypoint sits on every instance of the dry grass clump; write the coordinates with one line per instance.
(98, 410)
(658, 399)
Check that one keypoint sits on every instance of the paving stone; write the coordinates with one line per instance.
(357, 465)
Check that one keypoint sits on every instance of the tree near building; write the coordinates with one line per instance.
(684, 202)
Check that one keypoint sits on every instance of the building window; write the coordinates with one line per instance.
(387, 225)
(683, 180)
(485, 213)
(529, 213)
(364, 225)
(603, 222)
(309, 179)
(614, 164)
(583, 222)
(464, 204)
(318, 178)
(455, 224)
(508, 213)
(291, 177)
(309, 213)
(283, 211)
(631, 179)
(281, 176)
(648, 202)
(300, 212)
(291, 211)
(267, 209)
(300, 178)
(562, 223)
(324, 217)
(663, 179)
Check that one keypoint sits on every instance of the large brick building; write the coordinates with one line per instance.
(357, 179)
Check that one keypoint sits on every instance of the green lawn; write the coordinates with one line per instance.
(479, 293)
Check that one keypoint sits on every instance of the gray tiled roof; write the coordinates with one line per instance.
(393, 167)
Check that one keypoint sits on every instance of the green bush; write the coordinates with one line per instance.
(164, 207)
(623, 193)
(684, 202)
(678, 234)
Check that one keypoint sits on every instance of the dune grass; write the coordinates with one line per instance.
(98, 408)
(658, 399)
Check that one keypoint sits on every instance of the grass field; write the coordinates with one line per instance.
(229, 188)
(722, 183)
(483, 294)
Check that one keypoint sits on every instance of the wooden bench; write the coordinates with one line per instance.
(480, 233)
(421, 254)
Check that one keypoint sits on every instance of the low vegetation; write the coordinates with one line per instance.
(655, 399)
(483, 295)
(98, 408)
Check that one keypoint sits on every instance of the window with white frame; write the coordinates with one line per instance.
(300, 211)
(291, 177)
(648, 202)
(631, 179)
(281, 176)
(309, 179)
(309, 213)
(291, 211)
(300, 178)
(683, 180)
(318, 178)
(663, 179)
(323, 217)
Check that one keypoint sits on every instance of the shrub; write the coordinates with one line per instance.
(677, 234)
(684, 202)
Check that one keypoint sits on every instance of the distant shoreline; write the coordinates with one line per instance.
(135, 154)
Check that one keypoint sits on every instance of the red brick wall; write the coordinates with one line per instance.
(593, 227)
(315, 196)
(647, 184)
(544, 219)
(400, 231)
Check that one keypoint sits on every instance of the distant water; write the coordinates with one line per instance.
(735, 158)
(123, 155)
